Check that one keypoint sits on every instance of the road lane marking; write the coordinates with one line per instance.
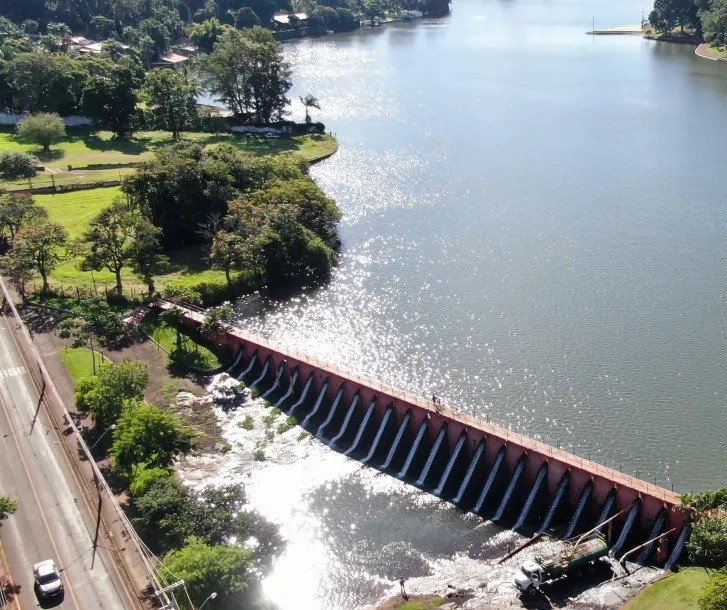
(13, 372)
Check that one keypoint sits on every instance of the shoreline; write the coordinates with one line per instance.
(703, 49)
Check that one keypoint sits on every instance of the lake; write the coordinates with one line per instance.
(533, 230)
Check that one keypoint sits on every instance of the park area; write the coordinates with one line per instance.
(88, 156)
(98, 162)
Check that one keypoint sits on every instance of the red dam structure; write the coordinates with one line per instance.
(508, 477)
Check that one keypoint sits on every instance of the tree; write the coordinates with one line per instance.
(16, 211)
(43, 129)
(229, 252)
(105, 395)
(145, 477)
(714, 22)
(224, 569)
(309, 101)
(109, 241)
(708, 542)
(145, 258)
(436, 8)
(172, 97)
(19, 271)
(41, 246)
(245, 17)
(205, 35)
(57, 35)
(46, 83)
(216, 320)
(110, 98)
(93, 319)
(101, 27)
(162, 504)
(248, 72)
(14, 165)
(314, 209)
(714, 594)
(218, 514)
(146, 435)
(373, 9)
(668, 14)
(7, 507)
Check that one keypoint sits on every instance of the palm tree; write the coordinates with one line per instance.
(309, 101)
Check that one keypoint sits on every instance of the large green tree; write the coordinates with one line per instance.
(714, 22)
(146, 435)
(40, 245)
(45, 83)
(221, 568)
(249, 74)
(172, 97)
(118, 235)
(110, 98)
(670, 14)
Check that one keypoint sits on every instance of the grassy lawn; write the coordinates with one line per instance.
(76, 209)
(83, 147)
(679, 591)
(79, 362)
(166, 336)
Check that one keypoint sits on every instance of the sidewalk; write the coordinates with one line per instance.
(5, 576)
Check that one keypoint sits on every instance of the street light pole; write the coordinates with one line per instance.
(111, 427)
(211, 596)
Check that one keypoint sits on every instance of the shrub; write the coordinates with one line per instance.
(714, 595)
(145, 477)
(43, 129)
(15, 165)
(259, 455)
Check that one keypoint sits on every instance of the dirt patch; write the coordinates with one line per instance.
(164, 386)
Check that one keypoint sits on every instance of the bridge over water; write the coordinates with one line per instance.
(510, 478)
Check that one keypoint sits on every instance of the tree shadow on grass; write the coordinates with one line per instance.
(127, 146)
(187, 261)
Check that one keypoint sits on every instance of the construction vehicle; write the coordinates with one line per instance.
(578, 555)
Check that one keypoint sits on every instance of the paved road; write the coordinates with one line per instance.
(54, 520)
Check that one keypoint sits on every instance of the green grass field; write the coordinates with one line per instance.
(679, 591)
(75, 210)
(83, 147)
(79, 362)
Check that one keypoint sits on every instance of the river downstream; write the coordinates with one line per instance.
(533, 230)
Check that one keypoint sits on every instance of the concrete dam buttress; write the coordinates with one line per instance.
(513, 479)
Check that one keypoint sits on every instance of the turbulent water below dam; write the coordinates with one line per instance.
(533, 230)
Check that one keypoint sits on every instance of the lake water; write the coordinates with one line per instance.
(533, 229)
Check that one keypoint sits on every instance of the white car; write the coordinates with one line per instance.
(47, 578)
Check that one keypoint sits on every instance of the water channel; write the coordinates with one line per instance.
(533, 230)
